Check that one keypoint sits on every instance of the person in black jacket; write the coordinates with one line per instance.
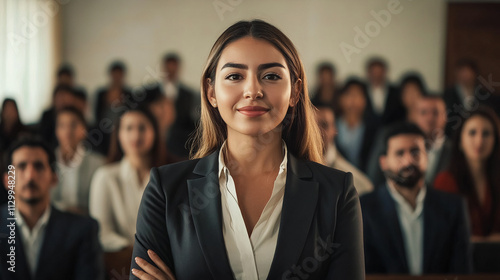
(43, 242)
(254, 202)
(409, 227)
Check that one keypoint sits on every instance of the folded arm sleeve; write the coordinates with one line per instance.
(348, 258)
(151, 231)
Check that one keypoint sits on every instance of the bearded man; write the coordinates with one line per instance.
(410, 228)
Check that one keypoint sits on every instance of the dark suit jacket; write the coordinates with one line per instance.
(393, 110)
(70, 249)
(446, 234)
(186, 107)
(320, 230)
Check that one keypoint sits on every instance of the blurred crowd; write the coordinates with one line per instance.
(371, 127)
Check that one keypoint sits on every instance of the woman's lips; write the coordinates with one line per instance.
(253, 111)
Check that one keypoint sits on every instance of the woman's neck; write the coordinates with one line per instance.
(68, 152)
(253, 155)
(142, 164)
(477, 169)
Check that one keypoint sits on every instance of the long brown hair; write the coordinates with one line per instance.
(459, 167)
(299, 128)
(158, 152)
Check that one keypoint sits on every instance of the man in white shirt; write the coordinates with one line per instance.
(47, 243)
(410, 228)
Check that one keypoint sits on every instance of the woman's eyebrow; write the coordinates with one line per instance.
(245, 67)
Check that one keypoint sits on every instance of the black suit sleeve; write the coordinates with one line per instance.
(348, 258)
(90, 263)
(461, 255)
(151, 231)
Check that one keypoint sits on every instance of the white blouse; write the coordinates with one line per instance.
(115, 196)
(250, 257)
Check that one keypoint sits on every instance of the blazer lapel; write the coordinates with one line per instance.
(299, 205)
(393, 226)
(205, 203)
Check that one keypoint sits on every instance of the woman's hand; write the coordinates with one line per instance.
(150, 271)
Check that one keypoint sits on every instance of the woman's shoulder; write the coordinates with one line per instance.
(107, 171)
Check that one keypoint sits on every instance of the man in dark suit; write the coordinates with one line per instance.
(469, 90)
(185, 101)
(39, 241)
(408, 226)
(430, 117)
(384, 103)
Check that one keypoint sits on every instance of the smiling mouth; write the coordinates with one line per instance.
(253, 111)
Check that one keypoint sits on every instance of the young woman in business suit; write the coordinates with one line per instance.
(255, 202)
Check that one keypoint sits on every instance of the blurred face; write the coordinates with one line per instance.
(477, 138)
(117, 77)
(353, 101)
(406, 160)
(9, 113)
(410, 95)
(430, 116)
(326, 78)
(171, 68)
(136, 134)
(326, 122)
(252, 87)
(70, 131)
(465, 76)
(34, 177)
(164, 111)
(377, 74)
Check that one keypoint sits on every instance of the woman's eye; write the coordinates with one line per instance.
(272, 77)
(233, 77)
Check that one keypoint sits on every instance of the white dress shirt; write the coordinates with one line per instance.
(378, 97)
(68, 178)
(250, 258)
(433, 155)
(412, 228)
(32, 239)
(171, 90)
(115, 196)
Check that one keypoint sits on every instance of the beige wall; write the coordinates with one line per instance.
(139, 32)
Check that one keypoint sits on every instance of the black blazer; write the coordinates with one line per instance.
(321, 229)
(393, 111)
(446, 234)
(70, 249)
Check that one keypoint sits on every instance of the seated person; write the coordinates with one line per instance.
(76, 163)
(473, 173)
(49, 243)
(326, 121)
(409, 227)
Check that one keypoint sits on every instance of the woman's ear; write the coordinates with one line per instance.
(296, 91)
(211, 93)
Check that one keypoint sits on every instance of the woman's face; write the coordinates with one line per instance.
(410, 95)
(478, 138)
(353, 101)
(136, 134)
(252, 87)
(69, 130)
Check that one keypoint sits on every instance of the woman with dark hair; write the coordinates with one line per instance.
(254, 202)
(411, 88)
(474, 172)
(10, 123)
(116, 188)
(356, 130)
